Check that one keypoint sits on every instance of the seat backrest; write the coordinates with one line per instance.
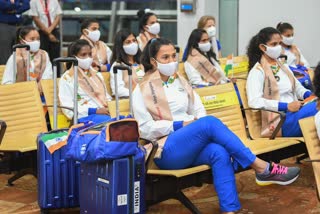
(21, 108)
(253, 117)
(310, 135)
(123, 107)
(240, 66)
(222, 102)
(182, 72)
(47, 88)
(106, 77)
(2, 68)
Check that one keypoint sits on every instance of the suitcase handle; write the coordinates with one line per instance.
(14, 48)
(55, 94)
(122, 67)
(65, 59)
(115, 71)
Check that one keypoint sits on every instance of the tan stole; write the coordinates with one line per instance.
(144, 38)
(93, 85)
(156, 101)
(135, 77)
(207, 70)
(271, 91)
(39, 60)
(99, 51)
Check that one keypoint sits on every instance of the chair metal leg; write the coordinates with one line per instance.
(20, 174)
(302, 157)
(187, 203)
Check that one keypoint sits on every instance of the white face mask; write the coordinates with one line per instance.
(94, 36)
(34, 45)
(273, 52)
(167, 69)
(204, 47)
(287, 40)
(85, 63)
(131, 49)
(211, 31)
(154, 28)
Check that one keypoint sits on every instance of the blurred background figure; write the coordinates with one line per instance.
(46, 17)
(10, 18)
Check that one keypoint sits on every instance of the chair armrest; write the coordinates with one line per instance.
(3, 127)
(152, 153)
(282, 119)
(65, 107)
(241, 78)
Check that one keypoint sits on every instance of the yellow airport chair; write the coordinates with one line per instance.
(21, 109)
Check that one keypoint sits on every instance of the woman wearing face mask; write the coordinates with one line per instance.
(208, 23)
(101, 53)
(92, 92)
(201, 64)
(272, 86)
(170, 112)
(126, 51)
(294, 56)
(149, 27)
(40, 65)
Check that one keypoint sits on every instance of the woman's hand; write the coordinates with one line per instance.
(103, 110)
(294, 106)
(185, 123)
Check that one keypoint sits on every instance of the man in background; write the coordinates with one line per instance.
(46, 17)
(10, 17)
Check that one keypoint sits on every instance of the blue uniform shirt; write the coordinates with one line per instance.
(11, 13)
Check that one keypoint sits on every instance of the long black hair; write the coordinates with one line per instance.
(283, 26)
(316, 81)
(23, 31)
(143, 18)
(151, 50)
(118, 53)
(253, 51)
(74, 49)
(193, 43)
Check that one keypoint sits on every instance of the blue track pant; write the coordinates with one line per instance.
(291, 127)
(209, 141)
(96, 118)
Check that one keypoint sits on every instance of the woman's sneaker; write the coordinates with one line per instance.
(281, 175)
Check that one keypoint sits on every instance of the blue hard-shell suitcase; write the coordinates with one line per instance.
(58, 178)
(113, 187)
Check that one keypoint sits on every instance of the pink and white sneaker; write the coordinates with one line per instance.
(279, 174)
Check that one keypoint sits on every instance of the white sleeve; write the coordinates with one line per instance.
(303, 60)
(317, 123)
(219, 69)
(66, 99)
(255, 83)
(33, 8)
(109, 54)
(48, 73)
(198, 110)
(300, 90)
(122, 90)
(58, 9)
(149, 128)
(8, 72)
(108, 96)
(193, 75)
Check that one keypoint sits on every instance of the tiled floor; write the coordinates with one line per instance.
(298, 198)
